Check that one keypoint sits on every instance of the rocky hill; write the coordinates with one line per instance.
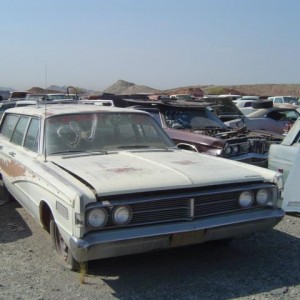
(126, 88)
(122, 87)
(265, 89)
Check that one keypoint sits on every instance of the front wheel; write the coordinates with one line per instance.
(65, 258)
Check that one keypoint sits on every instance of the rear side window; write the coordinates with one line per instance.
(21, 130)
(18, 135)
(248, 104)
(31, 140)
(9, 125)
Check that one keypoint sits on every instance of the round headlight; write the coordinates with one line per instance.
(227, 150)
(246, 199)
(235, 149)
(122, 215)
(97, 217)
(262, 196)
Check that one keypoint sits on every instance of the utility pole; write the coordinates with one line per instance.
(46, 79)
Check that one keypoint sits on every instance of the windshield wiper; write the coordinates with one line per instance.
(71, 151)
(133, 146)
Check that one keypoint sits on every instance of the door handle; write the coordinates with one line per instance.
(13, 154)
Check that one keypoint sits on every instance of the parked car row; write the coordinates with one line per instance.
(107, 181)
(193, 126)
(198, 126)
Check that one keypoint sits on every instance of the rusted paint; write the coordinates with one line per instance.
(11, 168)
(123, 170)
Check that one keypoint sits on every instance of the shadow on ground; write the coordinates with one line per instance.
(12, 225)
(261, 263)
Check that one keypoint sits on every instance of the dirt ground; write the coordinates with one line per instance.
(263, 266)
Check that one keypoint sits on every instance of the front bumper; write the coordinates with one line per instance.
(97, 245)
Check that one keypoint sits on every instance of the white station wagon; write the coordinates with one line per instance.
(107, 182)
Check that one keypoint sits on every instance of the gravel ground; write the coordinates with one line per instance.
(261, 266)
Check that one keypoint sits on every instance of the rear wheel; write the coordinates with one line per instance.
(65, 258)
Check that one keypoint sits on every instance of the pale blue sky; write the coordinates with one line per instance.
(160, 43)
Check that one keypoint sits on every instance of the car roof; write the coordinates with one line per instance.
(62, 109)
(170, 103)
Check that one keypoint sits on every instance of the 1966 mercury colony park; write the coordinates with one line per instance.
(108, 181)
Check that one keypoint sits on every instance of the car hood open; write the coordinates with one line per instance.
(139, 171)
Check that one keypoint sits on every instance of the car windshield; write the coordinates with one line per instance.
(290, 100)
(56, 96)
(191, 118)
(100, 132)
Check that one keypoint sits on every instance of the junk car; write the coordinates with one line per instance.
(196, 126)
(273, 119)
(285, 158)
(107, 181)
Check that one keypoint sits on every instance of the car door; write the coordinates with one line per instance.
(291, 199)
(285, 158)
(19, 144)
(281, 158)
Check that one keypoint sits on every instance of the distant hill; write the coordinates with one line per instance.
(122, 87)
(63, 89)
(5, 88)
(126, 88)
(38, 90)
(267, 89)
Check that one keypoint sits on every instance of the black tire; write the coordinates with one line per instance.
(223, 242)
(262, 104)
(65, 258)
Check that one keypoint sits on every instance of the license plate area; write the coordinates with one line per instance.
(187, 238)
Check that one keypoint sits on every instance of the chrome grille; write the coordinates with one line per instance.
(164, 210)
(62, 210)
(216, 204)
(186, 205)
(243, 147)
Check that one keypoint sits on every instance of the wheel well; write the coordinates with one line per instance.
(45, 215)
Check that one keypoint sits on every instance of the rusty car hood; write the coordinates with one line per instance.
(138, 171)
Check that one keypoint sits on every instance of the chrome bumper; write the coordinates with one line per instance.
(97, 245)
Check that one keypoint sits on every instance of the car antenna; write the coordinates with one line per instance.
(44, 133)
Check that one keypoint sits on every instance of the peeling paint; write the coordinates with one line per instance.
(11, 168)
(123, 170)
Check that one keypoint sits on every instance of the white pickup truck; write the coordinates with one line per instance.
(285, 158)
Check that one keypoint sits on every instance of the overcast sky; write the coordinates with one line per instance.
(158, 43)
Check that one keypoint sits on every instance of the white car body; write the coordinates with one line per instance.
(285, 158)
(278, 100)
(146, 193)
